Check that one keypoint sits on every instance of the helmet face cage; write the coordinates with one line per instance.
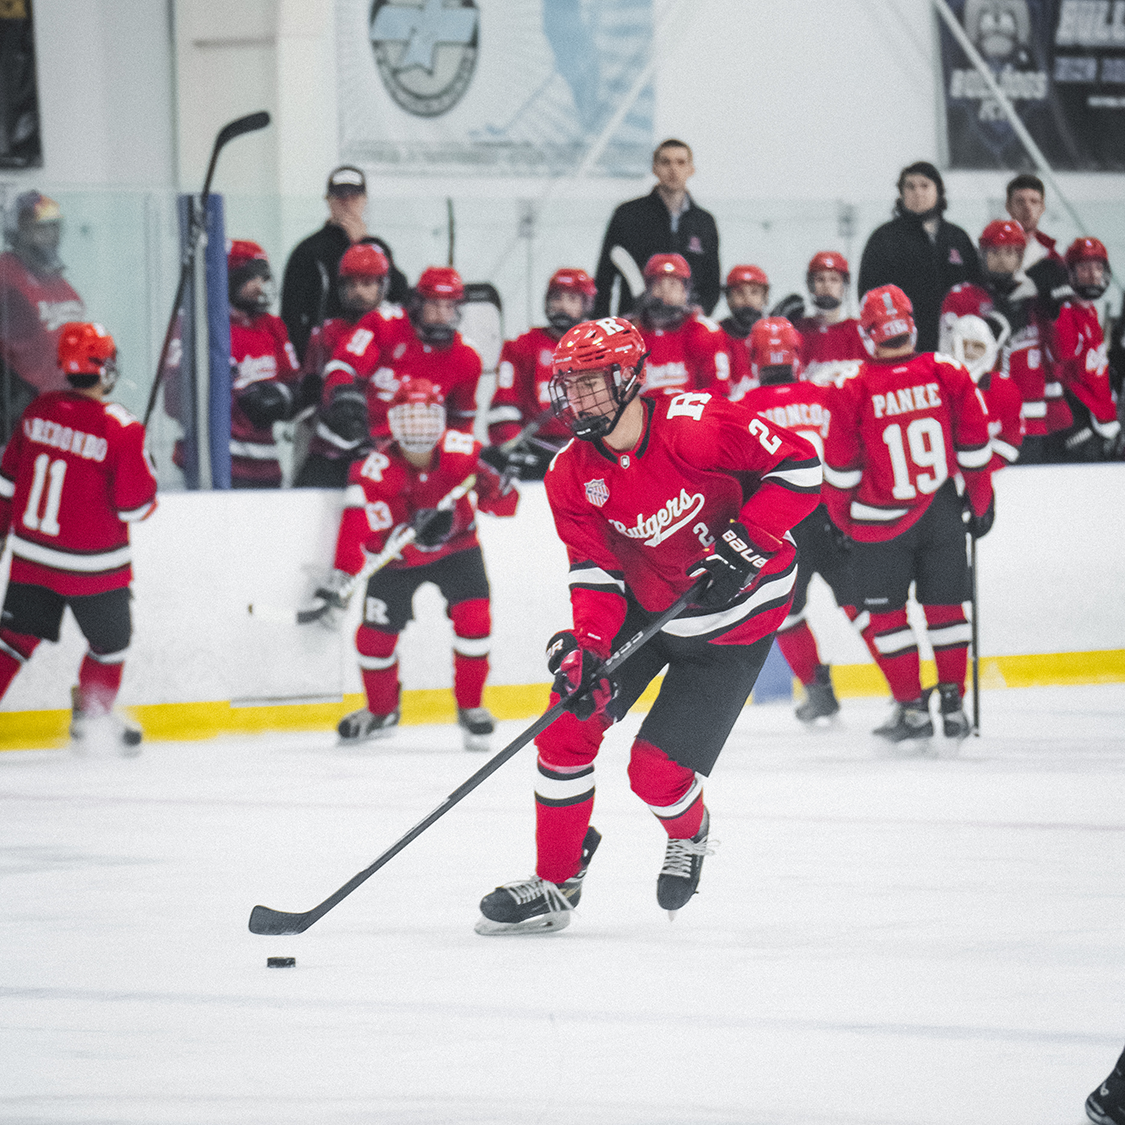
(417, 426)
(972, 329)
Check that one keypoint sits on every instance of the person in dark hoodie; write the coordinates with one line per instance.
(919, 251)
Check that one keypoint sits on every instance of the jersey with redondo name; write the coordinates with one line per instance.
(799, 406)
(74, 475)
(384, 490)
(900, 429)
(640, 520)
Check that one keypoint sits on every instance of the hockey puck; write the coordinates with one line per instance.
(281, 962)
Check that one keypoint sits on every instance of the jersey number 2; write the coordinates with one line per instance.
(46, 523)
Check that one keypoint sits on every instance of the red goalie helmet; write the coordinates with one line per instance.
(886, 314)
(364, 260)
(416, 415)
(774, 342)
(1003, 232)
(87, 355)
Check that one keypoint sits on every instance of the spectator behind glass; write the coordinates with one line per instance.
(666, 221)
(919, 251)
(35, 302)
(308, 296)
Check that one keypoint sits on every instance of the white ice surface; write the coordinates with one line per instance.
(881, 937)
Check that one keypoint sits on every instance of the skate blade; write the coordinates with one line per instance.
(541, 924)
(476, 743)
(374, 736)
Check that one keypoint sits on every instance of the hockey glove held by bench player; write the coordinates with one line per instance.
(735, 561)
(266, 402)
(581, 680)
(346, 415)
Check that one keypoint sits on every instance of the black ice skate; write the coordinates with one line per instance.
(92, 732)
(683, 864)
(362, 725)
(476, 725)
(910, 720)
(954, 722)
(820, 700)
(535, 905)
(1106, 1105)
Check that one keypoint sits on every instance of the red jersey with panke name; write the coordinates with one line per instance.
(384, 349)
(74, 476)
(1083, 365)
(385, 490)
(693, 357)
(829, 350)
(260, 351)
(900, 429)
(638, 521)
(523, 387)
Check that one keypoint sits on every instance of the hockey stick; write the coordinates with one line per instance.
(631, 273)
(513, 443)
(251, 123)
(975, 634)
(263, 920)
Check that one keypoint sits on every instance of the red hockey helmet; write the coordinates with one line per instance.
(611, 347)
(1095, 282)
(573, 281)
(668, 265)
(747, 275)
(416, 415)
(364, 260)
(440, 283)
(87, 355)
(581, 284)
(1086, 250)
(827, 260)
(1003, 232)
(774, 342)
(241, 252)
(247, 260)
(886, 314)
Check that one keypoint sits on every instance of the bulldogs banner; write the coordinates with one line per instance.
(19, 93)
(493, 87)
(1062, 65)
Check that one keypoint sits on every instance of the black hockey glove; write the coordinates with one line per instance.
(431, 527)
(520, 463)
(791, 306)
(733, 564)
(581, 680)
(346, 414)
(979, 526)
(265, 402)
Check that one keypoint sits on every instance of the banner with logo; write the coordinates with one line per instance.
(19, 93)
(1062, 65)
(494, 87)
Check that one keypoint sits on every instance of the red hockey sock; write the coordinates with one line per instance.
(798, 646)
(673, 792)
(469, 674)
(378, 667)
(472, 624)
(15, 648)
(949, 633)
(564, 800)
(897, 654)
(99, 680)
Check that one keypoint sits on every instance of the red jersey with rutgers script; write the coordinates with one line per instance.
(260, 351)
(829, 350)
(800, 407)
(523, 387)
(900, 429)
(1083, 365)
(640, 520)
(383, 350)
(385, 490)
(74, 476)
(693, 357)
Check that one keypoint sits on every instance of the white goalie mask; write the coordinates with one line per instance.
(416, 416)
(972, 343)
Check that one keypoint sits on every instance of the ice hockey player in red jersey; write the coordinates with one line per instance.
(831, 343)
(1011, 298)
(747, 289)
(687, 351)
(786, 400)
(654, 493)
(401, 485)
(73, 477)
(361, 285)
(523, 380)
(976, 343)
(369, 365)
(264, 369)
(1082, 362)
(902, 430)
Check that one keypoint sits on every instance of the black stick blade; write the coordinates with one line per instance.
(251, 123)
(277, 923)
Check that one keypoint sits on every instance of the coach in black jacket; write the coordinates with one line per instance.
(666, 221)
(919, 251)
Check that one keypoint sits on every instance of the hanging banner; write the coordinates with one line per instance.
(19, 94)
(493, 87)
(1062, 65)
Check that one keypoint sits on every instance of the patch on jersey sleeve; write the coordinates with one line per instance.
(597, 492)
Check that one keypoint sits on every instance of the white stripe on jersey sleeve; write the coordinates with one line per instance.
(865, 513)
(135, 514)
(66, 560)
(843, 478)
(586, 574)
(802, 476)
(1006, 450)
(974, 458)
